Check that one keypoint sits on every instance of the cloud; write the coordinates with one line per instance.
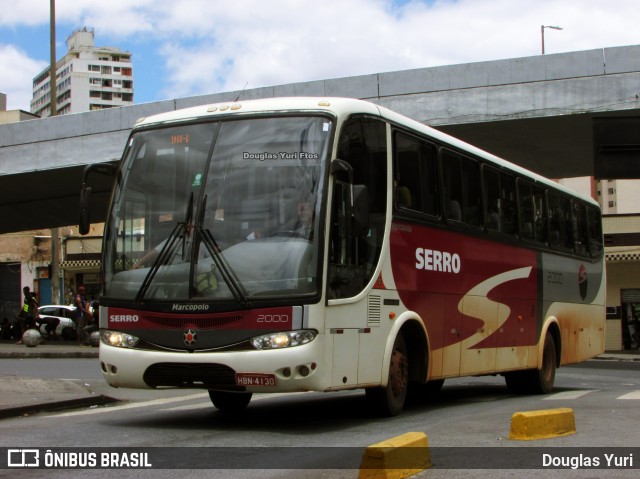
(18, 70)
(205, 46)
(24, 12)
(117, 18)
(260, 43)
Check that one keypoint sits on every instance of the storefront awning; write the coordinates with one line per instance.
(622, 256)
(79, 264)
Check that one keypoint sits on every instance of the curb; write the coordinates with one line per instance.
(542, 424)
(56, 406)
(396, 458)
(47, 354)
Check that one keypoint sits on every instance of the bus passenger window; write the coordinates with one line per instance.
(596, 245)
(560, 236)
(532, 212)
(581, 235)
(508, 209)
(415, 174)
(461, 188)
(554, 220)
(491, 179)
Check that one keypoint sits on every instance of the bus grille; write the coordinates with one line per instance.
(201, 321)
(196, 375)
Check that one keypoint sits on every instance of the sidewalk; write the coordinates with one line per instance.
(48, 349)
(22, 395)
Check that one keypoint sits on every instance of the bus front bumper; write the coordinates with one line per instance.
(300, 368)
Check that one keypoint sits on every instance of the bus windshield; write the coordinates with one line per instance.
(219, 211)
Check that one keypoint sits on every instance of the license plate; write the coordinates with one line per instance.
(255, 379)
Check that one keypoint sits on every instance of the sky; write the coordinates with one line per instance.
(185, 48)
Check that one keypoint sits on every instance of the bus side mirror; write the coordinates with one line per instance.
(357, 201)
(341, 166)
(360, 211)
(85, 193)
(85, 210)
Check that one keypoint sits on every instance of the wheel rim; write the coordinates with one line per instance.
(398, 373)
(548, 366)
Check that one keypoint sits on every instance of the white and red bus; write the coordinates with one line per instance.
(324, 244)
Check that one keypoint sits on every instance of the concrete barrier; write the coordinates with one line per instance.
(396, 458)
(542, 424)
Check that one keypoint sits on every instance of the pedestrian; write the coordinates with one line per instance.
(28, 314)
(635, 330)
(83, 316)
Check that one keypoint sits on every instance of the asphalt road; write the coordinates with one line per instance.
(469, 412)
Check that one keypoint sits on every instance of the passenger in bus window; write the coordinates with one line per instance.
(149, 258)
(305, 219)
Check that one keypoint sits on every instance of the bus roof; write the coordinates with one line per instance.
(342, 107)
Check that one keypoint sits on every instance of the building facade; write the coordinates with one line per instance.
(622, 247)
(87, 78)
(24, 257)
(25, 260)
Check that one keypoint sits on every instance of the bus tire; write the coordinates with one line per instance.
(536, 381)
(232, 402)
(389, 400)
(546, 375)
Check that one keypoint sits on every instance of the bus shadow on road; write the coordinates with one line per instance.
(313, 413)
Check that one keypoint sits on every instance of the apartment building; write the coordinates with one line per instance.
(87, 78)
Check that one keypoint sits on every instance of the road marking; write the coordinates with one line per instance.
(631, 395)
(159, 402)
(188, 407)
(569, 395)
(154, 402)
(208, 404)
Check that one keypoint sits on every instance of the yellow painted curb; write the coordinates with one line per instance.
(530, 425)
(396, 458)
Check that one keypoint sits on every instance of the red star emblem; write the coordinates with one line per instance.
(190, 337)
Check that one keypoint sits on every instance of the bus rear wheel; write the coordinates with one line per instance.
(536, 381)
(389, 400)
(546, 375)
(232, 402)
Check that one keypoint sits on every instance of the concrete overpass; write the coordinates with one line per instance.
(562, 115)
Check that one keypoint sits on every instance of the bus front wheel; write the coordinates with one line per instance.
(389, 400)
(227, 401)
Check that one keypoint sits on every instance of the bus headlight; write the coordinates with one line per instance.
(285, 339)
(118, 339)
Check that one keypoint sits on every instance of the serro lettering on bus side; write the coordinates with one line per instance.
(434, 260)
(124, 318)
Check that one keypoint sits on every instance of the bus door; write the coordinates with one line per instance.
(358, 215)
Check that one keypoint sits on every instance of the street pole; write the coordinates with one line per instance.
(52, 58)
(542, 27)
(55, 243)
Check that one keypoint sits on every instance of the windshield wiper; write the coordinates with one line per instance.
(228, 275)
(167, 251)
(163, 257)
